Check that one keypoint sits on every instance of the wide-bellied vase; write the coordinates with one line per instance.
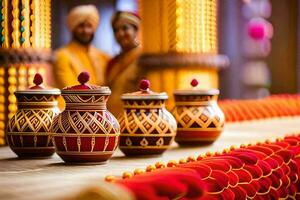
(199, 118)
(28, 131)
(85, 131)
(146, 125)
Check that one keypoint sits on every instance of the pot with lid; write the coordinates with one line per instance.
(147, 127)
(85, 131)
(28, 131)
(199, 118)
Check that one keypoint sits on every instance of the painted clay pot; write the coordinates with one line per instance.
(85, 131)
(147, 128)
(199, 119)
(28, 131)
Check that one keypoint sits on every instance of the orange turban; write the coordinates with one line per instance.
(130, 17)
(83, 13)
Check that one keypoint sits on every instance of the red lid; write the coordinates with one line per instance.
(195, 90)
(84, 87)
(82, 78)
(38, 88)
(145, 92)
(37, 80)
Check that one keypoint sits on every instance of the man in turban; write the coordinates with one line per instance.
(79, 55)
(122, 73)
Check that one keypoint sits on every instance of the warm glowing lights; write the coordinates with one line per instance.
(17, 77)
(186, 26)
(5, 39)
(196, 30)
(2, 105)
(22, 77)
(31, 74)
(48, 24)
(12, 81)
(15, 24)
(23, 24)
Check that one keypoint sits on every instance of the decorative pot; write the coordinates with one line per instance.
(199, 118)
(85, 131)
(28, 131)
(146, 126)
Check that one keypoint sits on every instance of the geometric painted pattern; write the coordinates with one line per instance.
(143, 122)
(30, 126)
(144, 103)
(204, 117)
(146, 124)
(82, 122)
(32, 120)
(85, 128)
(85, 98)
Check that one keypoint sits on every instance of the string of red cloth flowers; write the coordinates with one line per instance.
(272, 106)
(262, 171)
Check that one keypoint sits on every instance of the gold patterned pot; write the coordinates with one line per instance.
(85, 131)
(28, 132)
(199, 118)
(146, 126)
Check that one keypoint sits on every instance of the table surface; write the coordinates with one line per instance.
(51, 178)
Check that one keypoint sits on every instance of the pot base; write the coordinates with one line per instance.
(194, 143)
(93, 158)
(33, 152)
(197, 138)
(142, 152)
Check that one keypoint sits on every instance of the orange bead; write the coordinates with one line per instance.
(172, 163)
(159, 165)
(127, 175)
(191, 159)
(199, 158)
(232, 147)
(268, 141)
(209, 154)
(150, 168)
(182, 161)
(226, 150)
(110, 178)
(138, 171)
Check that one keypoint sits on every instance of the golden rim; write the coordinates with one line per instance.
(20, 148)
(83, 153)
(199, 129)
(147, 135)
(83, 135)
(145, 147)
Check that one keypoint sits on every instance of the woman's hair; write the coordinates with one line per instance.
(132, 18)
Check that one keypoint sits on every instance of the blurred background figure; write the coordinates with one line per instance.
(122, 74)
(79, 55)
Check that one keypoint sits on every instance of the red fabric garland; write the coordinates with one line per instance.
(273, 106)
(262, 171)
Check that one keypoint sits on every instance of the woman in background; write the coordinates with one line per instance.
(122, 74)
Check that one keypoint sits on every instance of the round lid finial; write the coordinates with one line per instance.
(194, 83)
(38, 79)
(144, 93)
(83, 78)
(144, 85)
